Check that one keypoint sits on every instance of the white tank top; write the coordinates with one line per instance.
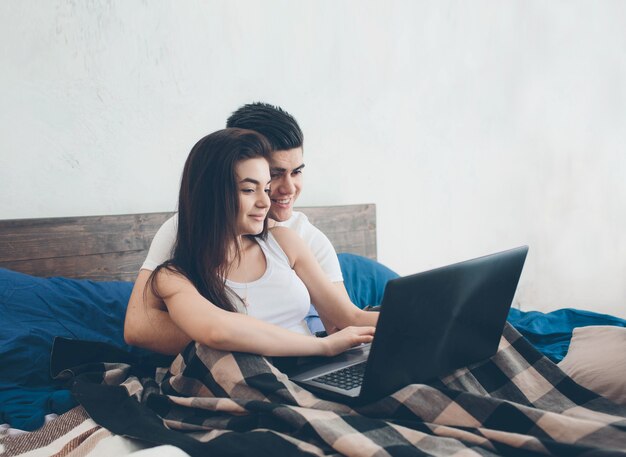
(279, 296)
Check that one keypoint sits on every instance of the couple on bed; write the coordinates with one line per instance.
(236, 268)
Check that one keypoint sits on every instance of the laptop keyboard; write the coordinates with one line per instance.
(346, 378)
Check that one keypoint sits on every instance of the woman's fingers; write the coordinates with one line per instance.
(364, 334)
(349, 337)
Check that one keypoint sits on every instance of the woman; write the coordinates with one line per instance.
(234, 285)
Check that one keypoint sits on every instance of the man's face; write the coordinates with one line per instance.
(286, 172)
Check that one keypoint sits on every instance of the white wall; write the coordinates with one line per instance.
(474, 126)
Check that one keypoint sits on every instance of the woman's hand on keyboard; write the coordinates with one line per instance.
(347, 338)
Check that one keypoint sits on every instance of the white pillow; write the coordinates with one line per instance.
(596, 359)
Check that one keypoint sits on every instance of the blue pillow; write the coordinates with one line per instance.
(364, 278)
(35, 310)
(365, 281)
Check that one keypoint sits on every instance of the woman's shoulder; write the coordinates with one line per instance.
(288, 240)
(169, 280)
(283, 234)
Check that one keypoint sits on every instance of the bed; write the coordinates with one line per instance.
(64, 283)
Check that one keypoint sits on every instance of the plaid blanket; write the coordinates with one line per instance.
(516, 403)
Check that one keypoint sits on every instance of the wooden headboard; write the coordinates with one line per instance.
(108, 248)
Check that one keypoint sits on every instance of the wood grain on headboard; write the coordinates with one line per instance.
(114, 247)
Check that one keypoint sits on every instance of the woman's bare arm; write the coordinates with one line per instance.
(148, 324)
(210, 325)
(331, 301)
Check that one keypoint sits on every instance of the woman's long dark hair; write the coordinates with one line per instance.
(208, 205)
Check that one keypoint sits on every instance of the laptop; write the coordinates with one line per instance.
(430, 324)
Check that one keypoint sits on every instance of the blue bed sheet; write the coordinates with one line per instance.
(35, 310)
(551, 332)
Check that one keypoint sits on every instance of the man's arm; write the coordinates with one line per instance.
(342, 291)
(333, 302)
(314, 321)
(148, 324)
(325, 254)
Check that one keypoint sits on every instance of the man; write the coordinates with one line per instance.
(149, 324)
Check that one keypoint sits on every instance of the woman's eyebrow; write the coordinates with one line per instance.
(252, 181)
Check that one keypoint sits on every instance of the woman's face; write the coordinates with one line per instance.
(253, 182)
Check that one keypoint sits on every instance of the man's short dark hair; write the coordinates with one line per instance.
(273, 122)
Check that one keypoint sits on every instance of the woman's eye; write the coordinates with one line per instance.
(247, 191)
(267, 191)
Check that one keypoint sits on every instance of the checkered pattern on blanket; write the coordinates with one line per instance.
(73, 434)
(515, 403)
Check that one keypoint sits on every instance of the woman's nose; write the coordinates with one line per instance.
(264, 201)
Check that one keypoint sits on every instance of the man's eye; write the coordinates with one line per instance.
(297, 172)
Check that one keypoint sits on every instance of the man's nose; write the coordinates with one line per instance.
(286, 186)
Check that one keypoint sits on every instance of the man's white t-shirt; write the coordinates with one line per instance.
(163, 244)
